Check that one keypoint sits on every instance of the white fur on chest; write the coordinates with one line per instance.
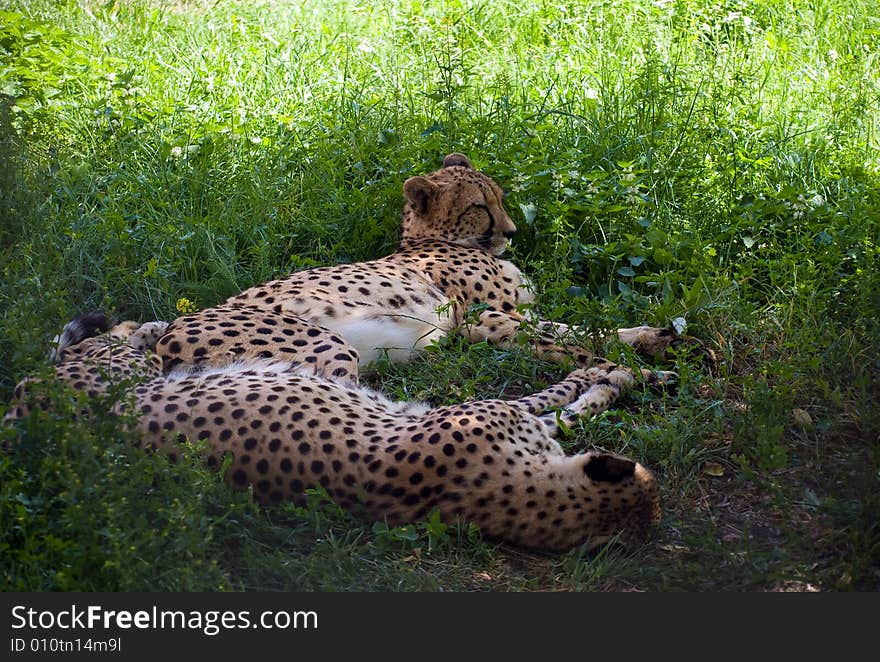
(399, 335)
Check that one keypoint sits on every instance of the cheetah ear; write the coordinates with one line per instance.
(457, 159)
(420, 192)
(608, 468)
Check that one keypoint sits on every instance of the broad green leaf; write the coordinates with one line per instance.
(530, 211)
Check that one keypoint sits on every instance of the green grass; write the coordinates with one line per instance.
(715, 160)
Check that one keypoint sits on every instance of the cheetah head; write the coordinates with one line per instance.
(457, 204)
(625, 493)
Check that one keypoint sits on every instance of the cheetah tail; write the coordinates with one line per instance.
(78, 329)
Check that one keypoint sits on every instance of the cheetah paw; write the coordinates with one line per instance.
(660, 378)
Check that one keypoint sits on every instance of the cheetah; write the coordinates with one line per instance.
(446, 277)
(493, 463)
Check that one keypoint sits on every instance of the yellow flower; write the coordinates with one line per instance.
(184, 305)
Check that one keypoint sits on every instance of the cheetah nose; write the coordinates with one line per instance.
(509, 233)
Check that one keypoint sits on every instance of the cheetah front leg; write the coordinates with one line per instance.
(147, 335)
(584, 392)
(573, 387)
(598, 397)
(650, 342)
(501, 329)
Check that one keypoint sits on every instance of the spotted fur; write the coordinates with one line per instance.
(494, 463)
(237, 332)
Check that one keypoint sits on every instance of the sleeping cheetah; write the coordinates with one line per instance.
(453, 230)
(493, 463)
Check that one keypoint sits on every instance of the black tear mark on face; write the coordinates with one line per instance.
(607, 468)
